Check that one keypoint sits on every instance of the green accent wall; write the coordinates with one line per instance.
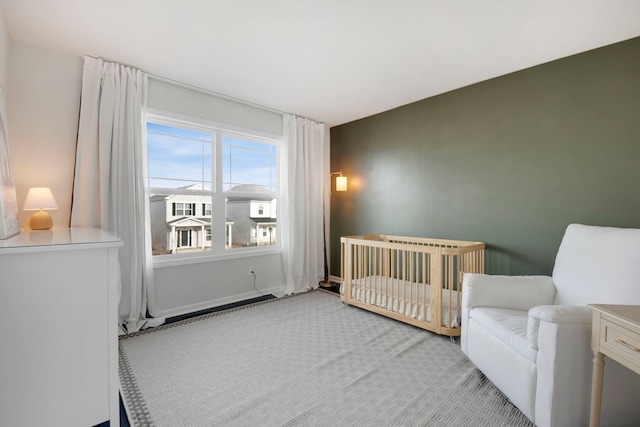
(510, 161)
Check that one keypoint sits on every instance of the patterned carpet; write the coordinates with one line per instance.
(306, 360)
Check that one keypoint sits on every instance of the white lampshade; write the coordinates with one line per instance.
(341, 183)
(40, 198)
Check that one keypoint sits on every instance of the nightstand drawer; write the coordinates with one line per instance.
(620, 340)
(615, 333)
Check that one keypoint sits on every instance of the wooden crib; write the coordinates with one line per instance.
(411, 279)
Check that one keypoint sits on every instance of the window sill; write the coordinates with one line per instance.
(163, 261)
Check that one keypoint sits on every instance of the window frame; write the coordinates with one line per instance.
(218, 196)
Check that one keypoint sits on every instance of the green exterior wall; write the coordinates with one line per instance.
(510, 161)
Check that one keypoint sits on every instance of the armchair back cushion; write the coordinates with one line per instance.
(598, 265)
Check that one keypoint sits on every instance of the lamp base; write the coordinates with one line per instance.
(40, 220)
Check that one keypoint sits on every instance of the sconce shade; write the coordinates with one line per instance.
(40, 199)
(341, 183)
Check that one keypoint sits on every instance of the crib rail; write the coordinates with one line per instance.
(415, 280)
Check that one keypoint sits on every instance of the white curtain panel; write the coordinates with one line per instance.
(302, 210)
(109, 182)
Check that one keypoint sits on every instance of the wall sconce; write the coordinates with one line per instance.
(40, 199)
(341, 181)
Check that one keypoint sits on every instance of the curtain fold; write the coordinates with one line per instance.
(109, 181)
(302, 210)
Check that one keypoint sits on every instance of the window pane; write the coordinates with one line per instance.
(178, 224)
(248, 165)
(178, 158)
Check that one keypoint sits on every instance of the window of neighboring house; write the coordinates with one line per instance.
(195, 168)
(184, 209)
(260, 209)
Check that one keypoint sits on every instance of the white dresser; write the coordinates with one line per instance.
(58, 328)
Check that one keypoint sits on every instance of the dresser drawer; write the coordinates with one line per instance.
(621, 341)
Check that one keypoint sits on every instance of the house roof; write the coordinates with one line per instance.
(252, 188)
(334, 61)
(190, 221)
(157, 197)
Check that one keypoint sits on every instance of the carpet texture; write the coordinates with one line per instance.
(306, 360)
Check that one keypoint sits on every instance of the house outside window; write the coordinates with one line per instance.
(175, 227)
(211, 191)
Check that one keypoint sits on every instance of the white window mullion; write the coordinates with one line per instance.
(218, 203)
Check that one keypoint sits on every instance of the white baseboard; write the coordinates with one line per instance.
(336, 279)
(205, 305)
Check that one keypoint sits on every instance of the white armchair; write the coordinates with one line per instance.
(531, 335)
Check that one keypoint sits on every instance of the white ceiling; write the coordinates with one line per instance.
(331, 60)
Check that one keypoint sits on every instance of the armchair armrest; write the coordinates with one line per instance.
(513, 292)
(575, 315)
(562, 314)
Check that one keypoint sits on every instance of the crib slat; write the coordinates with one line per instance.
(424, 287)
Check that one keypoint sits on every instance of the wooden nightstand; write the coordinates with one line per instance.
(615, 333)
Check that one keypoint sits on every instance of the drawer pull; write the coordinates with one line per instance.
(626, 344)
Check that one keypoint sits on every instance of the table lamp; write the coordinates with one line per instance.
(40, 199)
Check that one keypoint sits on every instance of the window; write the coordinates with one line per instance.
(210, 189)
(184, 209)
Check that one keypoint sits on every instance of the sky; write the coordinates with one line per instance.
(180, 157)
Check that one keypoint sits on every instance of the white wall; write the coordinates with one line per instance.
(190, 102)
(43, 108)
(188, 288)
(5, 47)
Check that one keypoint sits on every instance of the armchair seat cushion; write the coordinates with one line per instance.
(509, 326)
